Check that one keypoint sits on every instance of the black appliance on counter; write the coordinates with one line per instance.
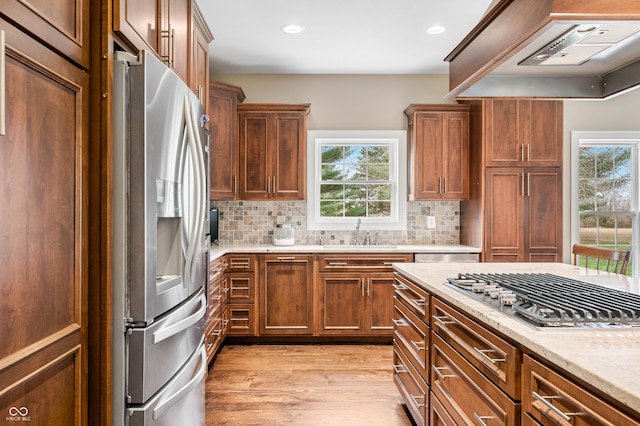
(548, 300)
(213, 225)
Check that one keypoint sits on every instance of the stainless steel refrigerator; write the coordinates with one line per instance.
(161, 246)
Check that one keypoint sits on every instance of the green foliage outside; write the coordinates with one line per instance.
(355, 181)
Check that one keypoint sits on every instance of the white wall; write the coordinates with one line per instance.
(376, 102)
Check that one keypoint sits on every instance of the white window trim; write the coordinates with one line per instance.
(606, 138)
(398, 139)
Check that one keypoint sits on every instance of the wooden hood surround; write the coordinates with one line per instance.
(554, 49)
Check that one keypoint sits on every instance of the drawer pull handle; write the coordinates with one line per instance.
(400, 322)
(444, 320)
(442, 377)
(419, 302)
(287, 258)
(550, 406)
(397, 369)
(400, 287)
(481, 419)
(415, 399)
(483, 354)
(419, 345)
(239, 319)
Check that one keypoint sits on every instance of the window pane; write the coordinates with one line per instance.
(355, 192)
(378, 172)
(331, 208)
(355, 209)
(332, 172)
(379, 208)
(331, 192)
(586, 195)
(379, 192)
(333, 154)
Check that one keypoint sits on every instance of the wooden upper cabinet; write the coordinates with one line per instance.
(163, 26)
(438, 156)
(175, 33)
(273, 151)
(223, 129)
(62, 24)
(523, 133)
(200, 38)
(43, 237)
(136, 21)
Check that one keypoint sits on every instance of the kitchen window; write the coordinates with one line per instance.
(605, 205)
(356, 174)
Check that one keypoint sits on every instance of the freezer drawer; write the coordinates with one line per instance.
(157, 352)
(181, 402)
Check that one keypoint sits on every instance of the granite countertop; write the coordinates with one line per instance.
(608, 359)
(217, 251)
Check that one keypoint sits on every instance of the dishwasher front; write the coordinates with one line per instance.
(446, 257)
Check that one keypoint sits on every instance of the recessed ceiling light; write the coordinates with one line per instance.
(436, 29)
(292, 29)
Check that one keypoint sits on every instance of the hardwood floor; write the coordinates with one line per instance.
(304, 385)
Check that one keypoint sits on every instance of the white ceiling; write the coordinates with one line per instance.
(341, 36)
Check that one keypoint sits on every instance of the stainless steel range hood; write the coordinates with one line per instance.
(555, 49)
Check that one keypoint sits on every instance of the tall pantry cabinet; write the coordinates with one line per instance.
(514, 211)
(44, 212)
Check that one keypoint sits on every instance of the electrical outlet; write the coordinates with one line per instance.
(431, 222)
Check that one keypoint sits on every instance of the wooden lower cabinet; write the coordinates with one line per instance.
(241, 278)
(412, 386)
(552, 399)
(356, 294)
(438, 415)
(286, 295)
(468, 396)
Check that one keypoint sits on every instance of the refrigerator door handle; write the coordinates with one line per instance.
(185, 390)
(192, 233)
(182, 325)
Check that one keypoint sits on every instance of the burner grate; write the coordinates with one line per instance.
(552, 300)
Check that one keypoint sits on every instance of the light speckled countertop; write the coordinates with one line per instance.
(608, 359)
(217, 251)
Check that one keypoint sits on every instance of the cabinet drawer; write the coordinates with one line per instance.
(241, 287)
(241, 263)
(242, 320)
(465, 393)
(368, 263)
(215, 296)
(213, 336)
(413, 335)
(438, 415)
(553, 400)
(411, 386)
(413, 297)
(217, 268)
(496, 358)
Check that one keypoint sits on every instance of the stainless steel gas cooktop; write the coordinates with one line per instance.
(547, 300)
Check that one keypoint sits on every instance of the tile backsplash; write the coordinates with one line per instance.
(252, 222)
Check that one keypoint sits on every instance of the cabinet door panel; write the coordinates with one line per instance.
(544, 141)
(428, 156)
(224, 160)
(504, 144)
(504, 212)
(455, 156)
(288, 174)
(543, 220)
(43, 236)
(137, 22)
(254, 156)
(60, 24)
(380, 298)
(341, 304)
(286, 296)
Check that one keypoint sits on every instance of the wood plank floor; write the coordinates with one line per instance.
(304, 385)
